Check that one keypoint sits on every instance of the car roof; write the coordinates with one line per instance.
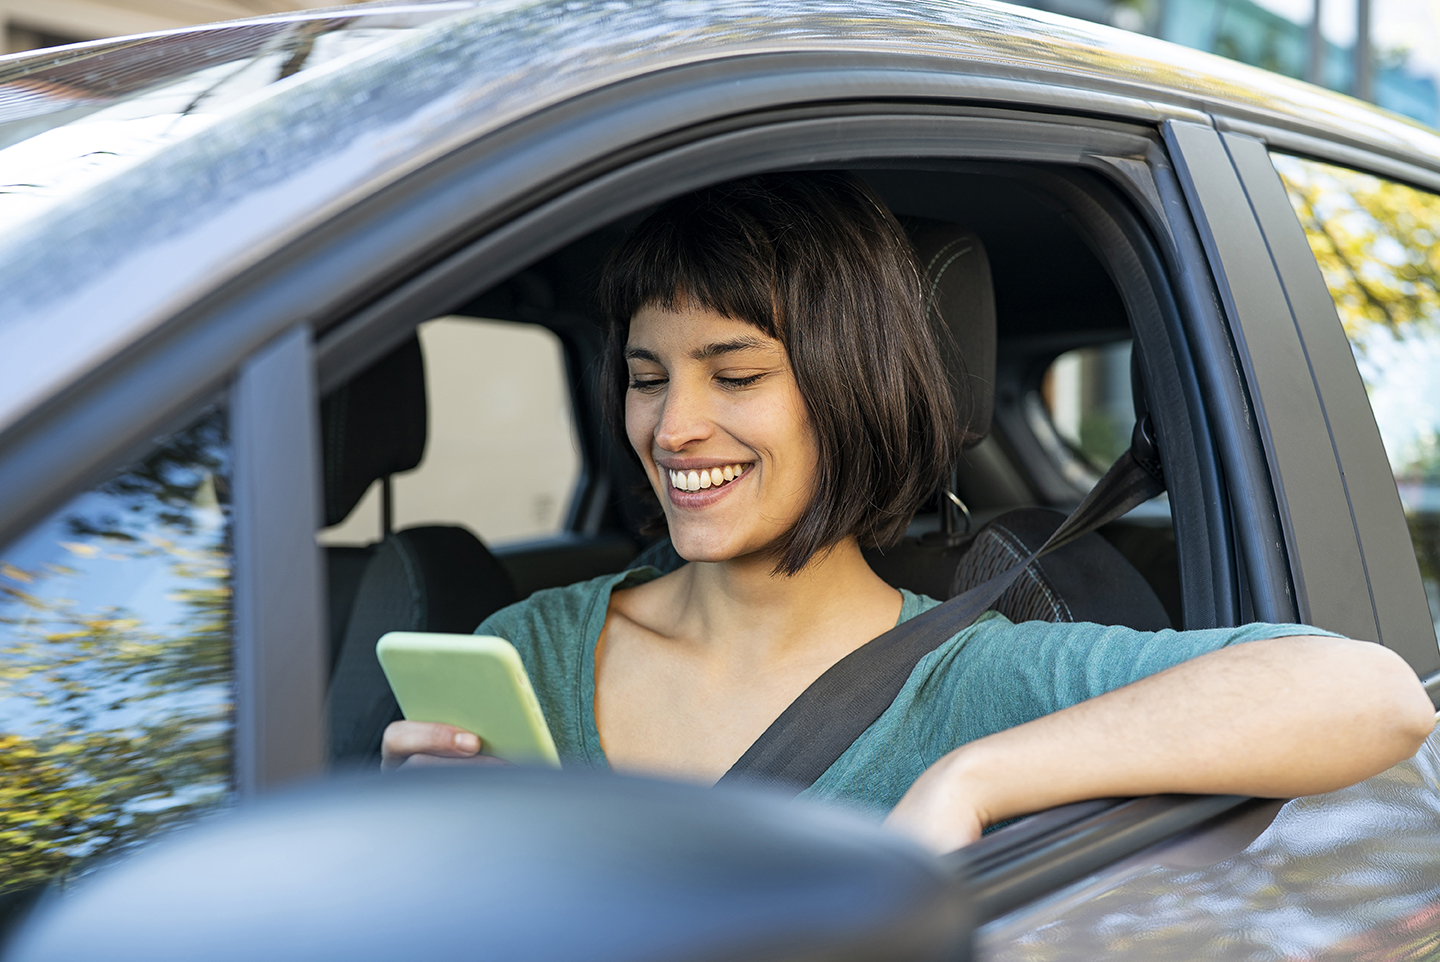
(101, 267)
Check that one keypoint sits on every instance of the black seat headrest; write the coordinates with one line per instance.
(372, 427)
(956, 270)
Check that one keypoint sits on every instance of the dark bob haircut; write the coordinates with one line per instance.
(816, 261)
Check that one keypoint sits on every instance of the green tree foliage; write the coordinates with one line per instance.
(1376, 243)
(117, 727)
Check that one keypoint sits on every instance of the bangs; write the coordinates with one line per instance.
(701, 251)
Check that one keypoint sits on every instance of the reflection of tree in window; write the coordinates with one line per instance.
(1376, 244)
(115, 662)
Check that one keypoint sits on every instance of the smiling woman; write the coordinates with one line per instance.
(806, 290)
(771, 360)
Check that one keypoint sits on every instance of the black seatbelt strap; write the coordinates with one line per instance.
(841, 704)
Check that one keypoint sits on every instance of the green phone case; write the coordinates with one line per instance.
(473, 682)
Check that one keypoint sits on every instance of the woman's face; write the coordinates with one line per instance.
(715, 414)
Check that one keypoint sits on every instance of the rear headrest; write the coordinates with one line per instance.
(962, 299)
(372, 427)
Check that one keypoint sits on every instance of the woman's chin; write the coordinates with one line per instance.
(708, 550)
(709, 554)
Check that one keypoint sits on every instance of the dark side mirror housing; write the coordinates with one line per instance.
(513, 864)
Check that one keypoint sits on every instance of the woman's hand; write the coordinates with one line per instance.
(942, 809)
(429, 743)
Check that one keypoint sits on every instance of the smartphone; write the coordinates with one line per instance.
(473, 682)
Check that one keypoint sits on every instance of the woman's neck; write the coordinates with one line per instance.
(743, 611)
(692, 667)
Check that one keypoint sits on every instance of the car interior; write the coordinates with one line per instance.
(1012, 279)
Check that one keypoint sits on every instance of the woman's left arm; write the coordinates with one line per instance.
(1275, 718)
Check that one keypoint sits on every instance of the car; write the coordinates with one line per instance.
(248, 269)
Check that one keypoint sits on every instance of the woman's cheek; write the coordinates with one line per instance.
(641, 416)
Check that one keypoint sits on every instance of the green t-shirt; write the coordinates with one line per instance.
(991, 676)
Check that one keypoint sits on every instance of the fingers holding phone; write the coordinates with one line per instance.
(428, 743)
(455, 691)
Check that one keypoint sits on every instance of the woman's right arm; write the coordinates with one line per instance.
(429, 743)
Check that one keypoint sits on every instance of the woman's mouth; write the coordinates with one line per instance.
(701, 478)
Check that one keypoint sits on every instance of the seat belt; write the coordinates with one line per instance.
(818, 727)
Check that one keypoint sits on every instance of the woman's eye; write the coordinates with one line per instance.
(646, 383)
(740, 381)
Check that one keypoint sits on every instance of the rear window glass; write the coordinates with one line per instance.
(501, 457)
(1087, 397)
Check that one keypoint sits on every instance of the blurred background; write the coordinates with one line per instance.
(1385, 51)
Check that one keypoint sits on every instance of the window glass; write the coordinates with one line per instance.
(115, 662)
(1087, 396)
(501, 457)
(1378, 246)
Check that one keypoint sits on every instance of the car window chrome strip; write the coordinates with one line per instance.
(1018, 863)
(280, 640)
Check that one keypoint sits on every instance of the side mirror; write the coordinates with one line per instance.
(513, 864)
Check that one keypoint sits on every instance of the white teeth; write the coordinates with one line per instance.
(707, 478)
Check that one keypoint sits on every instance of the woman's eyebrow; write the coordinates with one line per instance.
(640, 354)
(726, 347)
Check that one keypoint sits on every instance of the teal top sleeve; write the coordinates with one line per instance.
(991, 676)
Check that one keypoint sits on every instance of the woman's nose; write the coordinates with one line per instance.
(683, 420)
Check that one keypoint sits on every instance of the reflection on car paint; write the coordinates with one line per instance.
(60, 135)
(115, 662)
(1351, 875)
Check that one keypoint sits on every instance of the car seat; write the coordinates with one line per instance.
(427, 578)
(1087, 580)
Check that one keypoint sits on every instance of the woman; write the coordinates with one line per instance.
(781, 387)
